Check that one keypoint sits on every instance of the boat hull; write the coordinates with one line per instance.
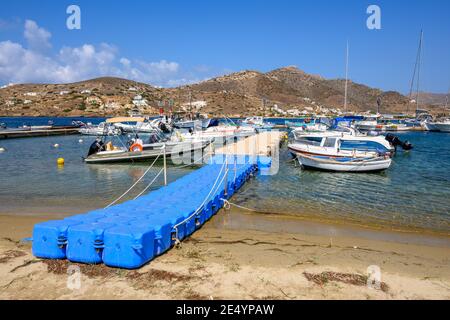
(442, 127)
(351, 166)
(146, 154)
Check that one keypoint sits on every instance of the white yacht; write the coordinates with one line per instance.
(438, 126)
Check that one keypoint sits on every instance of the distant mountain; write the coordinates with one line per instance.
(435, 99)
(241, 93)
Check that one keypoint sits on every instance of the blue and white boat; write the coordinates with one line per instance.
(345, 164)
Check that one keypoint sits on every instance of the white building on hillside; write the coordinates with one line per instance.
(197, 105)
(139, 101)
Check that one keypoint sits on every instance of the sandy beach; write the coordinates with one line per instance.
(294, 260)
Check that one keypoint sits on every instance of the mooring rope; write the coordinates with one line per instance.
(228, 204)
(150, 184)
(129, 189)
(204, 201)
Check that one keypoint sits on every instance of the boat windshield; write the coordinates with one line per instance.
(362, 145)
(329, 142)
(311, 141)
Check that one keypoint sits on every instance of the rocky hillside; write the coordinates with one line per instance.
(241, 93)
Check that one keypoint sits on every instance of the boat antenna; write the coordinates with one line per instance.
(346, 79)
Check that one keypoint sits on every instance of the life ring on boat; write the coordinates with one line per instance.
(136, 147)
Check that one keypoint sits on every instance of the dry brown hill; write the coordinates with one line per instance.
(240, 93)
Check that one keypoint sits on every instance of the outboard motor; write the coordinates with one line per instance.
(97, 146)
(405, 145)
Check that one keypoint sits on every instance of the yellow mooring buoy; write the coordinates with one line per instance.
(60, 161)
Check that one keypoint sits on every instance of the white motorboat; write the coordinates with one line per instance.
(103, 129)
(307, 129)
(137, 125)
(438, 126)
(257, 122)
(110, 153)
(219, 133)
(345, 142)
(351, 164)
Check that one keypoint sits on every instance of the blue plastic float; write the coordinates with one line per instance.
(132, 233)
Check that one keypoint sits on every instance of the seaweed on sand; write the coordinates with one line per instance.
(348, 278)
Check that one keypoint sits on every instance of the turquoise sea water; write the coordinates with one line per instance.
(414, 192)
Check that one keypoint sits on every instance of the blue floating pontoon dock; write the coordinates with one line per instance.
(132, 233)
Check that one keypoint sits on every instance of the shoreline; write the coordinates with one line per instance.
(229, 259)
(295, 223)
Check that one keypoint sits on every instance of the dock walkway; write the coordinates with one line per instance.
(132, 233)
(10, 134)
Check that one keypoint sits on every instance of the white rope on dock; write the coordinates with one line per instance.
(204, 201)
(228, 204)
(129, 189)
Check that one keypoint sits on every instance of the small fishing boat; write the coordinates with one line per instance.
(349, 164)
(343, 142)
(338, 147)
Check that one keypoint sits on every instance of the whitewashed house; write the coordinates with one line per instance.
(139, 101)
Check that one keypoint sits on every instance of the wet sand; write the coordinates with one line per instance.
(238, 255)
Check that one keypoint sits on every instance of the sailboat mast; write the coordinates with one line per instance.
(346, 80)
(419, 57)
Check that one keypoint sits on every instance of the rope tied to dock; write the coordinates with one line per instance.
(138, 180)
(175, 227)
(227, 206)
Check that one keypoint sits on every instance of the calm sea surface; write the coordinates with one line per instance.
(414, 192)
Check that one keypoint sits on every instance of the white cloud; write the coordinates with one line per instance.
(37, 38)
(125, 62)
(35, 63)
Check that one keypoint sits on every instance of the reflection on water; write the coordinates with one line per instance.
(31, 181)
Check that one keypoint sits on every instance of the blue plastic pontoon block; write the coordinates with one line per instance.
(84, 218)
(163, 232)
(85, 242)
(50, 239)
(128, 246)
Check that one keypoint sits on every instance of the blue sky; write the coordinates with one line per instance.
(175, 42)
